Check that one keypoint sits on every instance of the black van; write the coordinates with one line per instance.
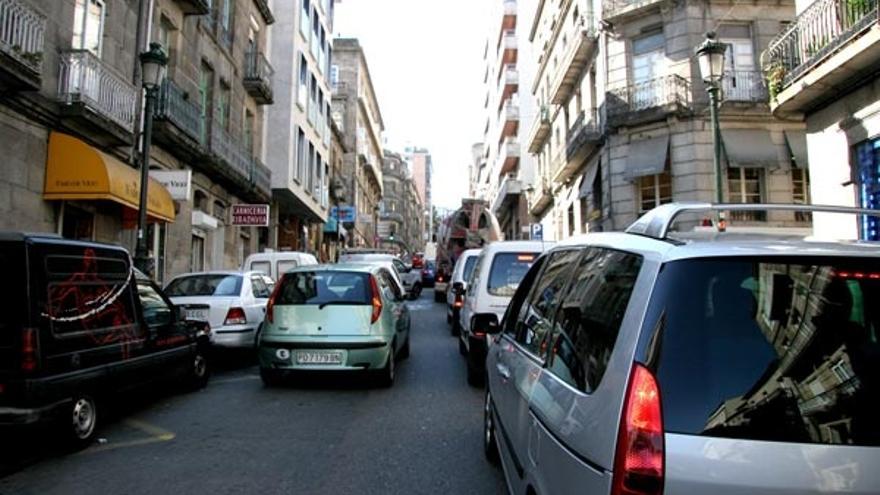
(77, 320)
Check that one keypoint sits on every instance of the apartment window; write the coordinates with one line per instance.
(88, 25)
(310, 175)
(223, 102)
(313, 98)
(206, 98)
(316, 33)
(739, 64)
(648, 63)
(227, 14)
(300, 155)
(305, 18)
(746, 186)
(319, 179)
(334, 77)
(303, 88)
(654, 190)
(249, 123)
(197, 260)
(167, 37)
(800, 192)
(322, 42)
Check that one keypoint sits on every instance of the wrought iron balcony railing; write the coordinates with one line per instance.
(261, 177)
(585, 130)
(818, 31)
(232, 155)
(744, 85)
(22, 33)
(258, 73)
(657, 93)
(85, 79)
(173, 106)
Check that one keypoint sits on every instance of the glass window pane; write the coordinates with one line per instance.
(541, 309)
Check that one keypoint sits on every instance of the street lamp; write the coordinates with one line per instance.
(710, 55)
(338, 196)
(153, 64)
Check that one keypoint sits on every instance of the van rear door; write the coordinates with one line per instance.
(13, 314)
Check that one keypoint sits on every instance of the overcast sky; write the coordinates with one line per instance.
(425, 57)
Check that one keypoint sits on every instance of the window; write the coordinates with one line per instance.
(77, 223)
(261, 266)
(249, 124)
(654, 190)
(742, 78)
(334, 78)
(310, 171)
(768, 348)
(283, 266)
(223, 103)
(300, 156)
(800, 192)
(206, 98)
(572, 227)
(157, 311)
(590, 316)
(305, 18)
(746, 186)
(324, 287)
(205, 285)
(649, 58)
(536, 317)
(167, 37)
(511, 317)
(302, 91)
(506, 272)
(259, 288)
(867, 157)
(88, 25)
(197, 260)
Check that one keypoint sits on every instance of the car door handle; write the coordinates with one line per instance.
(503, 370)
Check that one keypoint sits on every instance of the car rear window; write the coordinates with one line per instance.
(205, 285)
(769, 349)
(469, 267)
(322, 287)
(507, 270)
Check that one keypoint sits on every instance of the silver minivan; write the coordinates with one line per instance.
(649, 362)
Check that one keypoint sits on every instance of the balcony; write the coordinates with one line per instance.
(541, 198)
(584, 137)
(508, 48)
(648, 101)
(510, 117)
(194, 7)
(509, 155)
(508, 19)
(508, 192)
(22, 41)
(582, 47)
(744, 86)
(258, 74)
(621, 9)
(540, 131)
(178, 122)
(830, 44)
(511, 81)
(238, 166)
(265, 11)
(92, 93)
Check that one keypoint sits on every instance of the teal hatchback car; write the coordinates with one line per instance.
(344, 317)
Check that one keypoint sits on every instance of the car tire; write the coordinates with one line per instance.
(490, 443)
(386, 374)
(198, 371)
(475, 375)
(80, 421)
(416, 292)
(454, 329)
(270, 378)
(404, 351)
(461, 348)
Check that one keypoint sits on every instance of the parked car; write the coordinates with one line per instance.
(410, 278)
(233, 303)
(277, 263)
(678, 363)
(343, 317)
(78, 323)
(428, 273)
(464, 266)
(497, 273)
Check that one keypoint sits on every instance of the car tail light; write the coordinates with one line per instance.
(235, 316)
(458, 302)
(639, 461)
(29, 352)
(376, 300)
(270, 305)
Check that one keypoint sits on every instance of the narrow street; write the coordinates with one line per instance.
(339, 435)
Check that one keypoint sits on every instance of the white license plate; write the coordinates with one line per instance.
(197, 314)
(319, 357)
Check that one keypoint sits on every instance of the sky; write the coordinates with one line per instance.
(425, 58)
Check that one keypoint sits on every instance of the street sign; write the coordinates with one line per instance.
(345, 214)
(250, 215)
(537, 232)
(178, 182)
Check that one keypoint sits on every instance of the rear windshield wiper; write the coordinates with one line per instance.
(341, 303)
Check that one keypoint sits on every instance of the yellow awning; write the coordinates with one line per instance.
(77, 171)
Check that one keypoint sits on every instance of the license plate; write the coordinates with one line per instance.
(197, 314)
(319, 357)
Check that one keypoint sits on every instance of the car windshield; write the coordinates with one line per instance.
(324, 287)
(773, 349)
(205, 285)
(507, 271)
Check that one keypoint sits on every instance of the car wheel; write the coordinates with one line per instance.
(474, 373)
(490, 445)
(270, 377)
(386, 374)
(404, 351)
(416, 292)
(199, 371)
(83, 420)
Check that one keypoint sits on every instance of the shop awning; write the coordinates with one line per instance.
(79, 172)
(647, 157)
(587, 181)
(797, 144)
(749, 148)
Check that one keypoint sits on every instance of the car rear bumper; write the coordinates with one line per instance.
(358, 353)
(233, 336)
(30, 415)
(440, 286)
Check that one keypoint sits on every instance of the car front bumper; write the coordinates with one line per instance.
(358, 353)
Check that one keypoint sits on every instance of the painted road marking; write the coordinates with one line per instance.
(154, 433)
(236, 379)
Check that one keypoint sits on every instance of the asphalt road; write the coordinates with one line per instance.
(312, 436)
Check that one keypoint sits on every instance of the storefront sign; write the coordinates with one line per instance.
(250, 215)
(345, 214)
(178, 182)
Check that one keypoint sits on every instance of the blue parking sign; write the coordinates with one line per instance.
(537, 232)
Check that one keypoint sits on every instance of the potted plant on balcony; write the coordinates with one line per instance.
(775, 75)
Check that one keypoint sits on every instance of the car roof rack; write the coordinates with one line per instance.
(657, 222)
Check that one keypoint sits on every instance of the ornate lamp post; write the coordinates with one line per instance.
(710, 55)
(153, 63)
(338, 197)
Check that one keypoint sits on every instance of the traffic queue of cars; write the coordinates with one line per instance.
(670, 360)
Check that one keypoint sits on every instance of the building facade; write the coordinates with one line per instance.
(335, 232)
(623, 122)
(822, 69)
(401, 215)
(71, 76)
(422, 167)
(509, 109)
(355, 100)
(298, 148)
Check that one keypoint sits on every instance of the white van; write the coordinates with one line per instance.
(276, 264)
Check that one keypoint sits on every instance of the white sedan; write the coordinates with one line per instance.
(232, 302)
